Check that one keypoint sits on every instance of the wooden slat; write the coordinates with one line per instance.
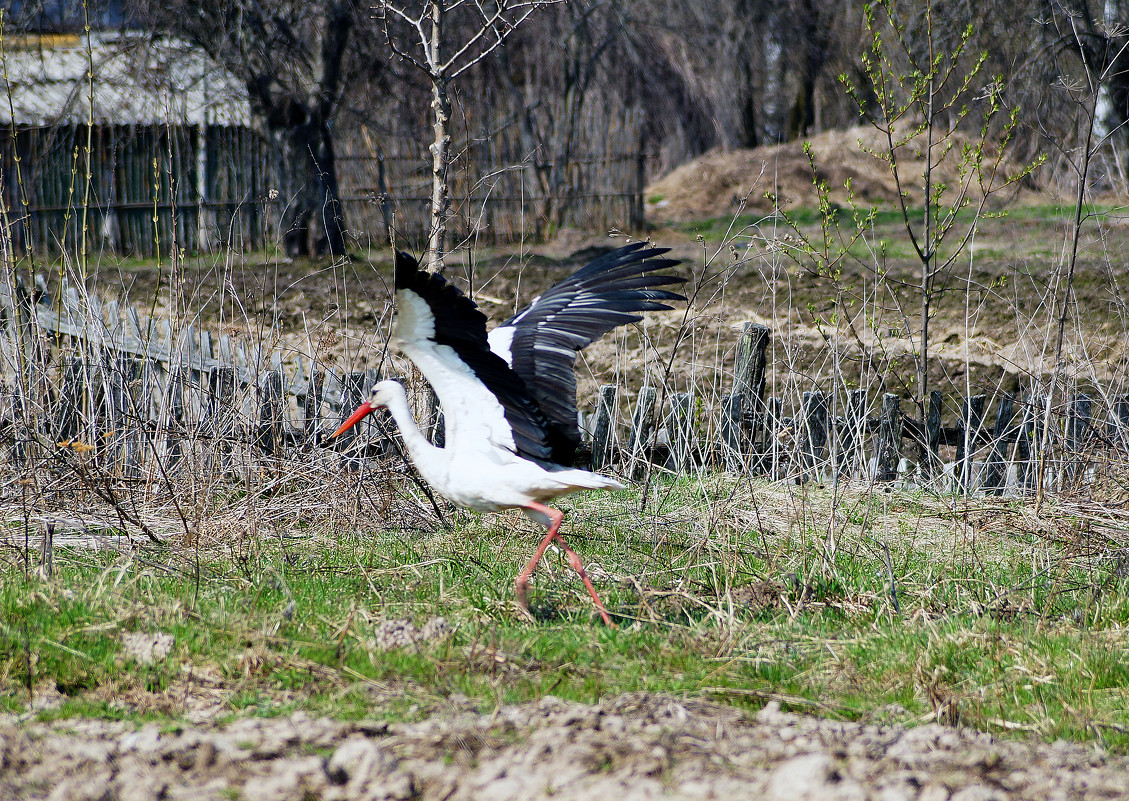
(680, 429)
(603, 439)
(889, 451)
(642, 431)
(126, 342)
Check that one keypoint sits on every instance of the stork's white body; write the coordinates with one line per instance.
(477, 467)
(473, 472)
(508, 398)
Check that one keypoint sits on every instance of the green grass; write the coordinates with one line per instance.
(1006, 632)
(888, 227)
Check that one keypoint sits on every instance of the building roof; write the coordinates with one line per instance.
(137, 80)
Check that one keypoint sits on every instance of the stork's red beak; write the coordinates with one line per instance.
(363, 411)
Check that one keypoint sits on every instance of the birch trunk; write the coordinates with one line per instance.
(440, 148)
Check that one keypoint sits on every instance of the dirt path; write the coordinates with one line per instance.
(632, 747)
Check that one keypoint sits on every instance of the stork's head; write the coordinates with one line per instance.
(382, 392)
(381, 395)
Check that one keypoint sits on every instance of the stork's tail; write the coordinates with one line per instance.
(582, 479)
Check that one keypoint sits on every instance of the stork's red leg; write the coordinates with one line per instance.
(521, 584)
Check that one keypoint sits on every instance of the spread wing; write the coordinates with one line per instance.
(444, 334)
(540, 342)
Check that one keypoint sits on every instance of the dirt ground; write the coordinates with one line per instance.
(630, 747)
(994, 324)
(994, 318)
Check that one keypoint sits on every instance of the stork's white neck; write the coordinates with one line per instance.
(424, 455)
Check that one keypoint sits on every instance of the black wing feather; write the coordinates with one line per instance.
(607, 292)
(462, 326)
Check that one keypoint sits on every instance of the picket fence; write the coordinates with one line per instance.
(128, 394)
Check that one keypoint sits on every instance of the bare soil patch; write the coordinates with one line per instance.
(636, 746)
(994, 321)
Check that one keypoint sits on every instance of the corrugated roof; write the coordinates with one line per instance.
(137, 80)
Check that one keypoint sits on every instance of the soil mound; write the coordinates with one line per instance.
(723, 182)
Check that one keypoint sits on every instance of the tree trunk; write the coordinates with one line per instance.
(811, 20)
(312, 218)
(440, 198)
(297, 117)
(748, 130)
(441, 108)
(1117, 116)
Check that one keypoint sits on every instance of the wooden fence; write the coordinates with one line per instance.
(506, 202)
(150, 188)
(1079, 440)
(155, 187)
(137, 395)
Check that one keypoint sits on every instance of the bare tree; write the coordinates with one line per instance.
(922, 79)
(294, 57)
(444, 39)
(1098, 33)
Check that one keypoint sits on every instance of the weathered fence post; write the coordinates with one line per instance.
(352, 396)
(734, 444)
(173, 416)
(270, 413)
(642, 430)
(1077, 430)
(971, 419)
(189, 347)
(133, 324)
(222, 413)
(931, 450)
(311, 404)
(1029, 440)
(743, 408)
(750, 373)
(854, 429)
(227, 354)
(124, 375)
(382, 420)
(815, 432)
(69, 418)
(149, 407)
(995, 472)
(680, 428)
(603, 438)
(888, 453)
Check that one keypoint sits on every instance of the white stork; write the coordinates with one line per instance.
(509, 398)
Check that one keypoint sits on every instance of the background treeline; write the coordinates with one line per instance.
(649, 83)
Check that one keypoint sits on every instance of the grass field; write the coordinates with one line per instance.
(874, 606)
(862, 602)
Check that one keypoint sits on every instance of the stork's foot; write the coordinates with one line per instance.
(522, 585)
(578, 566)
(524, 611)
(521, 594)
